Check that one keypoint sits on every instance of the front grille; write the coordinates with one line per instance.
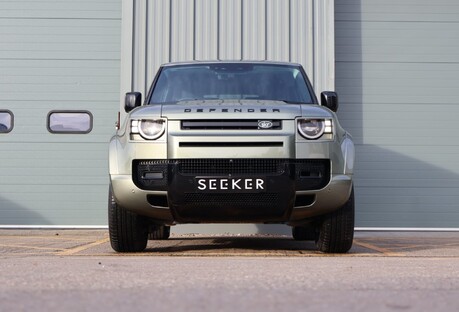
(228, 124)
(225, 167)
(308, 174)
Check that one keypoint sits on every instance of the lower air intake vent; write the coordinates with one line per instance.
(230, 207)
(224, 167)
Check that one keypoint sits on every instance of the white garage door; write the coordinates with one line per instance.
(59, 93)
(397, 69)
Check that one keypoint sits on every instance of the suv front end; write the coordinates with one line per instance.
(231, 160)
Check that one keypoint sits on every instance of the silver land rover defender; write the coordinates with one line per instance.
(233, 142)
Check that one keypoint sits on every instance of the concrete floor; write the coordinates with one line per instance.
(76, 270)
(96, 243)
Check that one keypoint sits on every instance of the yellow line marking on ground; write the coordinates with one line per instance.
(385, 251)
(72, 251)
(227, 255)
(38, 236)
(30, 247)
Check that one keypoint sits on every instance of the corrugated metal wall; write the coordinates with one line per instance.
(397, 69)
(161, 31)
(57, 55)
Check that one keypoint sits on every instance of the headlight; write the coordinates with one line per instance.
(312, 129)
(149, 129)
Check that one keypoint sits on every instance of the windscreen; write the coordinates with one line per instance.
(231, 81)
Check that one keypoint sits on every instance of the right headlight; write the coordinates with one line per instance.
(149, 129)
(314, 128)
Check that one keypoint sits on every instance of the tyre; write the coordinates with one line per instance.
(128, 231)
(159, 232)
(337, 229)
(304, 233)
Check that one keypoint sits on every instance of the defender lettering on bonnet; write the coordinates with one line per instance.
(231, 110)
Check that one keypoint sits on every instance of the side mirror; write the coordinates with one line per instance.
(132, 100)
(329, 99)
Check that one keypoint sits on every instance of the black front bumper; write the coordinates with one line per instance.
(273, 203)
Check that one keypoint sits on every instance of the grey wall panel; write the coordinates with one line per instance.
(206, 30)
(254, 34)
(60, 9)
(158, 38)
(57, 55)
(398, 11)
(278, 30)
(39, 38)
(414, 42)
(397, 64)
(182, 30)
(230, 30)
(31, 88)
(302, 21)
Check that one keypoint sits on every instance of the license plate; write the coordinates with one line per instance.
(231, 185)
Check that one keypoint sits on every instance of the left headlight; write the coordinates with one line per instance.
(149, 129)
(313, 129)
